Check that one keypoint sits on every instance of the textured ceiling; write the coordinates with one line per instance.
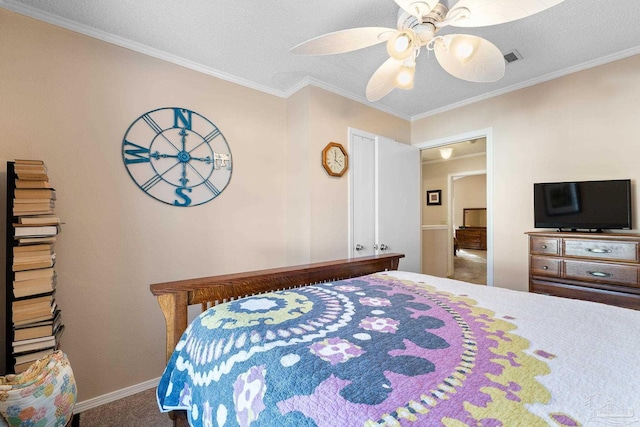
(248, 42)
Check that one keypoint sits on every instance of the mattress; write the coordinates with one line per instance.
(405, 349)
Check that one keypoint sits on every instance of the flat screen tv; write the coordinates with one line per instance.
(583, 205)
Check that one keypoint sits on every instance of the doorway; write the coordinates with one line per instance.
(467, 191)
(445, 246)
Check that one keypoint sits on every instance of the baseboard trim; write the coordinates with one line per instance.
(115, 395)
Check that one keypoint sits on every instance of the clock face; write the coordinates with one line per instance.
(177, 156)
(335, 159)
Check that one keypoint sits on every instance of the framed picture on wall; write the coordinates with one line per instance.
(433, 197)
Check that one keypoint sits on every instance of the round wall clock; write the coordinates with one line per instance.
(177, 156)
(335, 159)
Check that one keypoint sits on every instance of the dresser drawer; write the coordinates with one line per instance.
(619, 299)
(605, 250)
(545, 266)
(545, 245)
(601, 272)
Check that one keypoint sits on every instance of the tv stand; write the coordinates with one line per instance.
(600, 267)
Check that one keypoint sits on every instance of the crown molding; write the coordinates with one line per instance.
(131, 45)
(310, 81)
(547, 77)
(307, 81)
(175, 59)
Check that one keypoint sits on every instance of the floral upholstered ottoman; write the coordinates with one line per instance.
(42, 396)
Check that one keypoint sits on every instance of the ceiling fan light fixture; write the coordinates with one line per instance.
(463, 48)
(445, 153)
(404, 78)
(402, 44)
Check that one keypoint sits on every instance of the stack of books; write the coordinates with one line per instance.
(37, 325)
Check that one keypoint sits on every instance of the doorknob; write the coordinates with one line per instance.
(359, 247)
(383, 247)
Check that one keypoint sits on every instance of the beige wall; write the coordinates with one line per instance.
(68, 99)
(331, 117)
(578, 127)
(468, 192)
(435, 176)
(435, 240)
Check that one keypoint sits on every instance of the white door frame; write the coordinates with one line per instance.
(479, 133)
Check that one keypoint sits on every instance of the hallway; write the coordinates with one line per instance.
(470, 265)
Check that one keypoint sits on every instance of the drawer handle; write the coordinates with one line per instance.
(544, 246)
(599, 251)
(599, 274)
(545, 268)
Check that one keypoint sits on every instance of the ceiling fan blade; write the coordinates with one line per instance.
(383, 80)
(344, 41)
(418, 8)
(470, 58)
(480, 13)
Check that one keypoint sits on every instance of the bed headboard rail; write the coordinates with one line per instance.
(175, 297)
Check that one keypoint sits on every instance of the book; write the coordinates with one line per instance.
(33, 209)
(29, 321)
(26, 318)
(34, 193)
(34, 290)
(32, 287)
(27, 275)
(30, 183)
(34, 265)
(26, 168)
(35, 240)
(28, 162)
(44, 301)
(33, 356)
(34, 344)
(33, 314)
(28, 203)
(39, 211)
(22, 230)
(31, 175)
(32, 248)
(27, 256)
(32, 255)
(39, 220)
(38, 329)
(22, 257)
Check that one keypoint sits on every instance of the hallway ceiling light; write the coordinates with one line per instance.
(446, 152)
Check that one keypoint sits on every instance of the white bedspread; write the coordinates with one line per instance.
(595, 348)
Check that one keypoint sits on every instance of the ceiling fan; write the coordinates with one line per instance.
(464, 56)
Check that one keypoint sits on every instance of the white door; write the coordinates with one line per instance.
(398, 201)
(362, 179)
(384, 178)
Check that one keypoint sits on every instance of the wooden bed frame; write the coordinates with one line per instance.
(175, 297)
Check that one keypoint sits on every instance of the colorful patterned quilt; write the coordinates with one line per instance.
(400, 349)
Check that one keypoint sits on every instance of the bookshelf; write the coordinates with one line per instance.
(33, 320)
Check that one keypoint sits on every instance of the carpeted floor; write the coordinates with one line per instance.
(470, 266)
(139, 410)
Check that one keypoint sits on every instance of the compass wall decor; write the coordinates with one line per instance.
(177, 156)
